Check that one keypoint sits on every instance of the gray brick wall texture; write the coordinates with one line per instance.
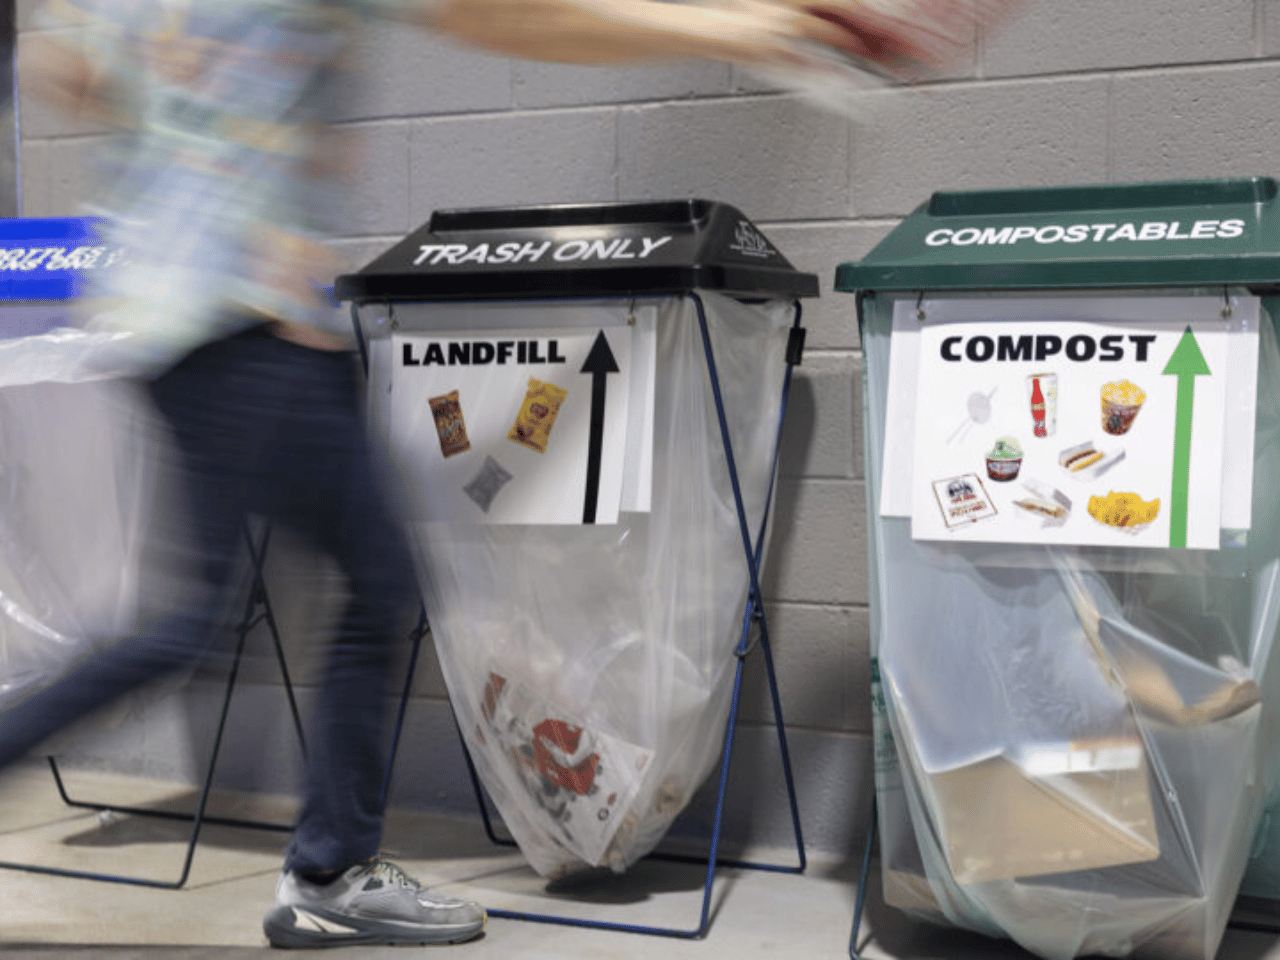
(1091, 91)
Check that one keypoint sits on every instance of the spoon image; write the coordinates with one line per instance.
(979, 412)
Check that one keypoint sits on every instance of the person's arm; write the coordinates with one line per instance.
(62, 63)
(614, 31)
(60, 74)
(742, 31)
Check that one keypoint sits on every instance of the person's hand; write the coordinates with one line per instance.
(904, 38)
(901, 37)
(58, 73)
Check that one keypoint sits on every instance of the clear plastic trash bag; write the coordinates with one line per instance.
(591, 667)
(1074, 747)
(78, 468)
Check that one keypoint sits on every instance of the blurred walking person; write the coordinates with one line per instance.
(222, 182)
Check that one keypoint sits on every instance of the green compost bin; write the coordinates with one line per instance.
(1072, 439)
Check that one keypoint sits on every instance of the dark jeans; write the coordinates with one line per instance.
(270, 428)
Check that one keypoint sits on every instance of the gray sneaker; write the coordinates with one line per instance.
(373, 903)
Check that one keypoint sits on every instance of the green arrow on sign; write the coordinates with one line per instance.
(1186, 364)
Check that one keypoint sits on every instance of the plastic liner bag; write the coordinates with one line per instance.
(1262, 878)
(1102, 793)
(591, 666)
(78, 469)
(1075, 754)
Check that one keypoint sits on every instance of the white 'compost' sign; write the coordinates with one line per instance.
(1076, 429)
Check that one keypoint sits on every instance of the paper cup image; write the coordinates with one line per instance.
(1121, 401)
(1005, 460)
(1042, 392)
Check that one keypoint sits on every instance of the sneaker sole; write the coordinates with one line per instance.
(301, 928)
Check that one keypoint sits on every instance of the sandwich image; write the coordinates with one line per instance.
(1043, 508)
(1045, 502)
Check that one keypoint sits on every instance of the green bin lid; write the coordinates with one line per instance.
(1182, 233)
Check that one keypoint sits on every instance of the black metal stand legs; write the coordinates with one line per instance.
(754, 635)
(863, 876)
(257, 611)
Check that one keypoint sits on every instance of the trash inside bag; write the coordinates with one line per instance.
(591, 666)
(1074, 749)
(1102, 793)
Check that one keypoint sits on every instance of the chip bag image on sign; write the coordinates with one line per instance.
(484, 486)
(537, 415)
(446, 410)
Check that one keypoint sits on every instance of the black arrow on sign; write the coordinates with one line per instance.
(599, 363)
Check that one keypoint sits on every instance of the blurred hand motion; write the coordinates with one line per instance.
(907, 37)
(899, 39)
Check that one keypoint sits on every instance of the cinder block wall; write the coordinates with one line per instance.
(1085, 92)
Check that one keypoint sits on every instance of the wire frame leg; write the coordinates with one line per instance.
(197, 819)
(753, 617)
(861, 901)
(258, 598)
(753, 554)
(415, 636)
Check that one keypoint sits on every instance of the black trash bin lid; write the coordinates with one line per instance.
(580, 250)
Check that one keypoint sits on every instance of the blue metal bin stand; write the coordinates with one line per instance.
(694, 263)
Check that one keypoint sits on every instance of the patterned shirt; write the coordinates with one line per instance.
(222, 181)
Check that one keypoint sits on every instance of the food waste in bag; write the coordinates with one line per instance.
(579, 780)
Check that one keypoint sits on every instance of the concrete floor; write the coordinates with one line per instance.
(218, 912)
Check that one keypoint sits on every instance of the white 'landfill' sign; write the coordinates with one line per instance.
(1074, 431)
(513, 427)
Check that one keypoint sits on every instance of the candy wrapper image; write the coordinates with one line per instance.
(486, 484)
(446, 410)
(537, 415)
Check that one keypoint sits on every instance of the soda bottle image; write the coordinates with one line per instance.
(1037, 409)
